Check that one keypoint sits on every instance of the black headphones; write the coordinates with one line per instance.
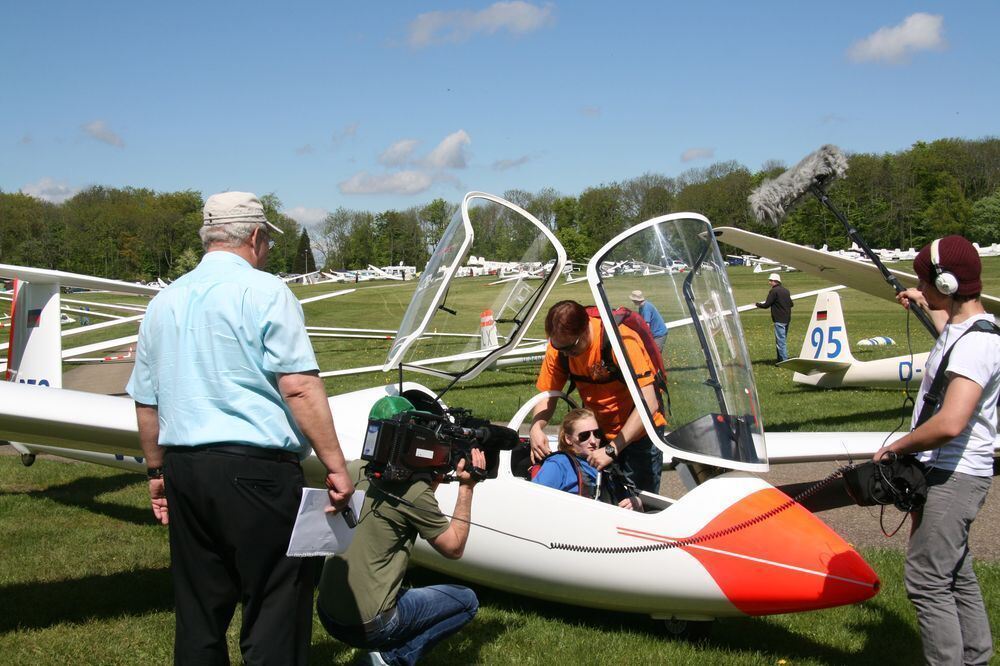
(944, 281)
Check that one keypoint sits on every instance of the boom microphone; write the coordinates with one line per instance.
(813, 175)
(775, 197)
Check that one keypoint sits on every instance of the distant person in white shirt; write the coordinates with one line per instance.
(956, 446)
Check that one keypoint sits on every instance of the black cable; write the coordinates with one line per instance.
(615, 550)
(882, 525)
(907, 401)
(907, 398)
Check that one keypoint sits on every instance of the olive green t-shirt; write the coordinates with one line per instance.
(361, 583)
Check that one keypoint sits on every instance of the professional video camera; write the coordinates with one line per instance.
(416, 444)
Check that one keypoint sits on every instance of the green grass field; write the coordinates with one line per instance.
(84, 579)
(83, 569)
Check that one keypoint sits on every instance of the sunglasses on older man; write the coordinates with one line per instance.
(266, 237)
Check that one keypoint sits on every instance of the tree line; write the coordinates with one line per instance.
(127, 233)
(901, 199)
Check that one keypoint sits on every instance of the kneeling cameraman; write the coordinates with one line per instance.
(360, 598)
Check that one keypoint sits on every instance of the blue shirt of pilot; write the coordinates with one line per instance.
(652, 316)
(210, 350)
(557, 472)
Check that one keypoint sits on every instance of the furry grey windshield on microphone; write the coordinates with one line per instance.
(775, 197)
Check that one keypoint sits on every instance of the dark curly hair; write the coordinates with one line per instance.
(566, 318)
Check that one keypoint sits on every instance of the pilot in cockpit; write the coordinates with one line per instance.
(567, 469)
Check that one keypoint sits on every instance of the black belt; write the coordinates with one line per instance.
(378, 620)
(371, 625)
(356, 635)
(277, 455)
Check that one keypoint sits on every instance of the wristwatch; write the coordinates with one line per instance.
(154, 473)
(611, 451)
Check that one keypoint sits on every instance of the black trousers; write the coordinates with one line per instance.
(231, 517)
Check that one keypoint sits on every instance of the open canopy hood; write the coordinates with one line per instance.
(518, 262)
(714, 414)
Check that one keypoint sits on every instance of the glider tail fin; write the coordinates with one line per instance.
(826, 337)
(34, 352)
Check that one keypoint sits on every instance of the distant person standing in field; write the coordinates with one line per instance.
(780, 302)
(652, 316)
(228, 401)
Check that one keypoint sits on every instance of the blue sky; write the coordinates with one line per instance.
(378, 105)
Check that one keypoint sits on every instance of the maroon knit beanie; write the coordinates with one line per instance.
(957, 256)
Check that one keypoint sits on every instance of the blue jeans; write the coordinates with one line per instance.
(642, 464)
(940, 582)
(423, 617)
(781, 340)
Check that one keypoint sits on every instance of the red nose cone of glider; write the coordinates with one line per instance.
(787, 561)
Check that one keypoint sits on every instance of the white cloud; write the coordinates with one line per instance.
(309, 217)
(894, 45)
(503, 165)
(349, 132)
(99, 130)
(399, 182)
(692, 154)
(398, 153)
(591, 111)
(450, 153)
(516, 17)
(49, 190)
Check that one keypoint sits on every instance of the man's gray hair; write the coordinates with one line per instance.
(233, 234)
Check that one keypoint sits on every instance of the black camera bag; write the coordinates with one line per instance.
(897, 480)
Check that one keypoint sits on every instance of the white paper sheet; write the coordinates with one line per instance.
(317, 532)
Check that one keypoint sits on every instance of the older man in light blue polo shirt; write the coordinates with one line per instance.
(228, 401)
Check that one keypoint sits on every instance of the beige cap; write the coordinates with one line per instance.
(227, 207)
(775, 277)
(636, 296)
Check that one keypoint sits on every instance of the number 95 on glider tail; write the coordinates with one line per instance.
(826, 361)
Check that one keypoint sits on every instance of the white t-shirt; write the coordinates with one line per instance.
(976, 357)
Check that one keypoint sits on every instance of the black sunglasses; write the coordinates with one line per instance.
(564, 348)
(587, 434)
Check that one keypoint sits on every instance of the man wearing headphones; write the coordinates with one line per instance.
(956, 446)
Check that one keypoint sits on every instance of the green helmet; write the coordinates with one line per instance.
(388, 406)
